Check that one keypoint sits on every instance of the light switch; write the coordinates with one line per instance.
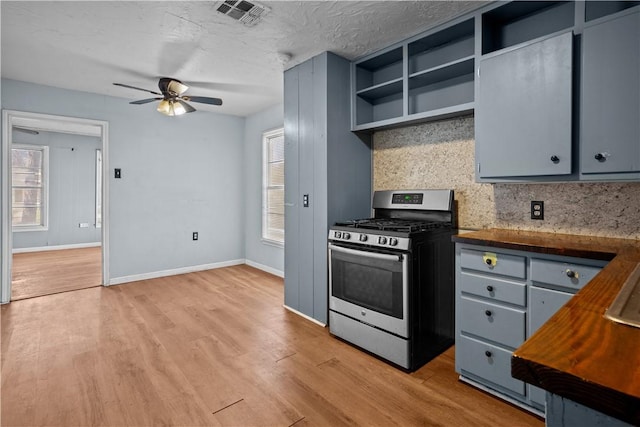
(118, 174)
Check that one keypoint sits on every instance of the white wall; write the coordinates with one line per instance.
(256, 251)
(72, 190)
(179, 175)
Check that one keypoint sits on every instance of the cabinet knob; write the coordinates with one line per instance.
(555, 159)
(488, 353)
(488, 261)
(489, 288)
(601, 157)
(488, 313)
(572, 274)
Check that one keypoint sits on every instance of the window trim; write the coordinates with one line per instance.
(45, 188)
(266, 136)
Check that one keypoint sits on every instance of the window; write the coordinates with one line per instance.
(273, 186)
(29, 166)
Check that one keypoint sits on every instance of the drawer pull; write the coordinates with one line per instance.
(489, 288)
(572, 274)
(488, 313)
(490, 258)
(488, 353)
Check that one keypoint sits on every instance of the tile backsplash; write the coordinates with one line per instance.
(441, 155)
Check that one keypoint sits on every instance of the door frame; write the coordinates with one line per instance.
(47, 123)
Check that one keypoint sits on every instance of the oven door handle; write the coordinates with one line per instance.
(368, 254)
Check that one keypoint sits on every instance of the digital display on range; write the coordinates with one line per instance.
(407, 199)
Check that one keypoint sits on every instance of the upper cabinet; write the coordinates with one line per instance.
(553, 85)
(610, 103)
(525, 77)
(425, 78)
(523, 115)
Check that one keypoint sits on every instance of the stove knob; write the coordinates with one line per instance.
(363, 237)
(382, 240)
(346, 236)
(338, 235)
(393, 241)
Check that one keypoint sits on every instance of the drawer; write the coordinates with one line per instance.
(488, 362)
(568, 275)
(493, 288)
(505, 265)
(493, 322)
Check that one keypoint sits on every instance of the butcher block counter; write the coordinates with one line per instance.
(579, 354)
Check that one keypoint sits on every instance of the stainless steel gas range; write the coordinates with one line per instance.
(391, 287)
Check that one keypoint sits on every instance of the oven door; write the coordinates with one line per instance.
(371, 287)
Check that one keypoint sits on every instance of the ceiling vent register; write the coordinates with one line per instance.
(249, 13)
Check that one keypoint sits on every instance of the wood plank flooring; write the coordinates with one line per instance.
(212, 348)
(49, 272)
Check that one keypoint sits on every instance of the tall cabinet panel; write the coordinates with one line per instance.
(327, 175)
(611, 96)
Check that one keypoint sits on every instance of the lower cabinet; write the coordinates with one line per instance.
(502, 298)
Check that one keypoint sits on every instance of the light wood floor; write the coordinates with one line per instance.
(49, 272)
(212, 348)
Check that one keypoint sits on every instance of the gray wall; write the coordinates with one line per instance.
(179, 174)
(72, 195)
(255, 249)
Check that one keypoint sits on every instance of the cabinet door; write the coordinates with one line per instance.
(610, 137)
(523, 115)
(298, 250)
(543, 303)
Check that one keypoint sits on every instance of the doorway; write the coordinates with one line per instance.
(74, 128)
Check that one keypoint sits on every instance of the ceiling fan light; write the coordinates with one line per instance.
(177, 87)
(177, 108)
(164, 107)
(169, 107)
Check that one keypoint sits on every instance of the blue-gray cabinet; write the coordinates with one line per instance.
(427, 77)
(327, 175)
(502, 297)
(524, 110)
(610, 104)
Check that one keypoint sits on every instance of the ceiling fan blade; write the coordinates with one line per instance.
(188, 108)
(203, 100)
(145, 101)
(137, 88)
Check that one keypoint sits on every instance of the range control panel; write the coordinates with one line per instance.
(370, 239)
(407, 198)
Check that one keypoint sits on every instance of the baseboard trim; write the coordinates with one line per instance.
(173, 272)
(317, 322)
(266, 268)
(57, 247)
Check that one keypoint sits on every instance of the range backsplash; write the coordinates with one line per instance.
(441, 155)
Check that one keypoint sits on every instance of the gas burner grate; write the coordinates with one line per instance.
(400, 225)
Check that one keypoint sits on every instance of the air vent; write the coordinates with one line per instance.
(241, 10)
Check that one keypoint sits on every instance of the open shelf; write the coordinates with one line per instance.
(378, 109)
(520, 21)
(598, 9)
(378, 70)
(443, 47)
(383, 90)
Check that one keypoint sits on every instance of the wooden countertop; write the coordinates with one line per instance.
(579, 354)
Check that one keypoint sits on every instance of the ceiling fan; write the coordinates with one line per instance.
(172, 101)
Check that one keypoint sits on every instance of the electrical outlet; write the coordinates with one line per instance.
(195, 235)
(537, 209)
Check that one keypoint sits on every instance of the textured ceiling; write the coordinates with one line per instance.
(88, 45)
